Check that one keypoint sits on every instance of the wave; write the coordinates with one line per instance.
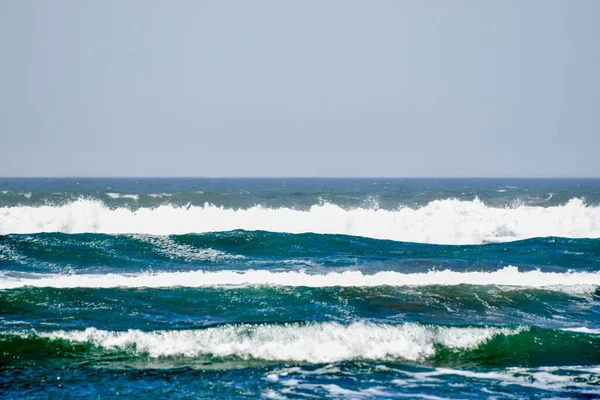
(322, 343)
(50, 252)
(572, 282)
(447, 221)
(315, 342)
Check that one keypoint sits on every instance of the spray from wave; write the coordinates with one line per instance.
(448, 221)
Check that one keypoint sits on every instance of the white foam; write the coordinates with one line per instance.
(170, 248)
(448, 221)
(584, 329)
(572, 282)
(549, 378)
(8, 253)
(337, 391)
(123, 196)
(316, 342)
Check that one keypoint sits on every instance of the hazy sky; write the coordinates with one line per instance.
(304, 88)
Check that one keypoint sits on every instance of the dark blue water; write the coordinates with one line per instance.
(237, 288)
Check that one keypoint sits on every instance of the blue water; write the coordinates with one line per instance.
(295, 288)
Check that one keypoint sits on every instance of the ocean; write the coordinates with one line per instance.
(299, 288)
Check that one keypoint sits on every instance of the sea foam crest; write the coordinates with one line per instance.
(448, 221)
(315, 342)
(123, 196)
(508, 276)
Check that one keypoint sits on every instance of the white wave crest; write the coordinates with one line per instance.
(315, 342)
(448, 221)
(158, 195)
(509, 276)
(584, 329)
(123, 196)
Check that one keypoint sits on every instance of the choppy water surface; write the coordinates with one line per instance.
(198, 288)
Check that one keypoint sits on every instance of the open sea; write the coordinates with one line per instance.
(299, 288)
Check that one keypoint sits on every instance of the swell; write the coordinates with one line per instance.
(449, 221)
(187, 308)
(327, 342)
(48, 252)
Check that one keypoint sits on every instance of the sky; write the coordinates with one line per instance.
(304, 88)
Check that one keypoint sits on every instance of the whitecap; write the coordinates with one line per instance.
(570, 282)
(449, 221)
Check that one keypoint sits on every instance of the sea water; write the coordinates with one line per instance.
(300, 288)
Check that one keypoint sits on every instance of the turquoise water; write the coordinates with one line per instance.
(237, 288)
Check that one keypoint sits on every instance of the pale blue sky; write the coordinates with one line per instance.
(305, 88)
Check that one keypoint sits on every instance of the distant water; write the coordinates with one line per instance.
(299, 288)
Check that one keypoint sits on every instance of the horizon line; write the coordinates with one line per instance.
(293, 177)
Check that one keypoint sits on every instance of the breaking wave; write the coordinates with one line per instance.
(507, 276)
(316, 342)
(449, 221)
(325, 342)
